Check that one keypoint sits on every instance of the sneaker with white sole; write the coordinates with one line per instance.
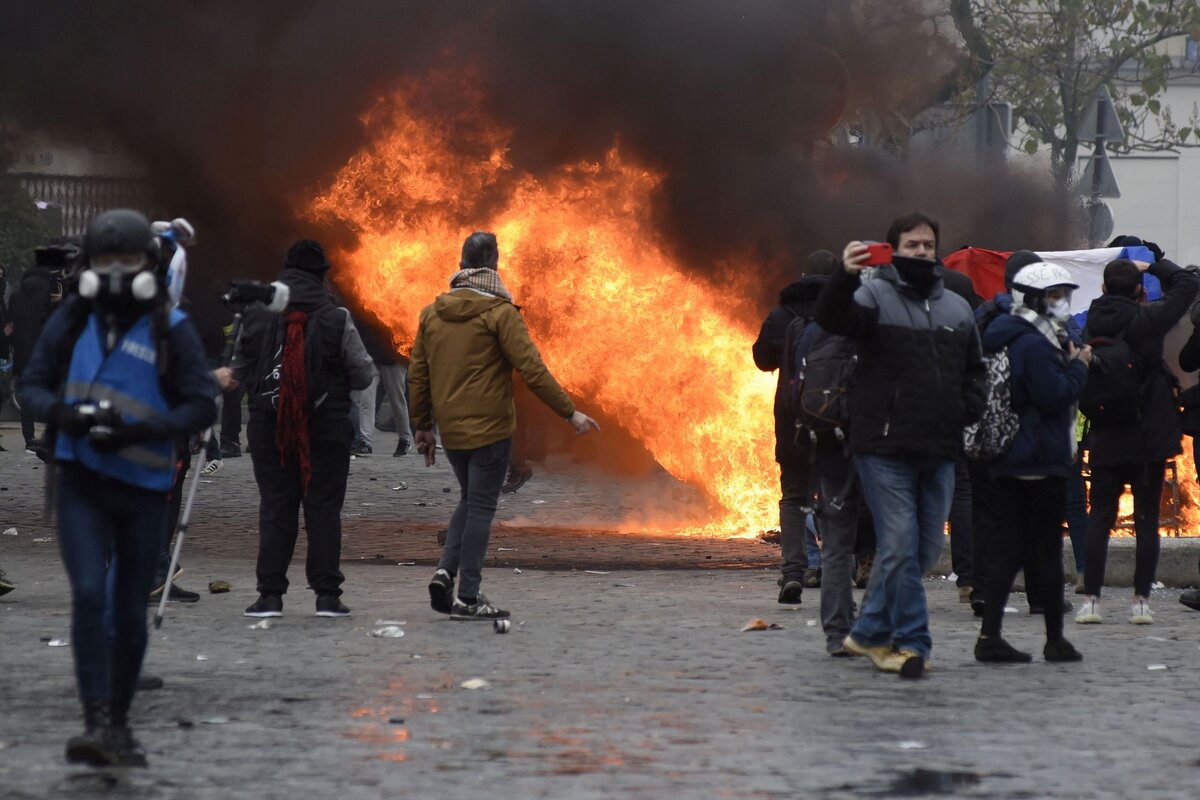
(1089, 612)
(1139, 612)
(212, 467)
(330, 606)
(481, 610)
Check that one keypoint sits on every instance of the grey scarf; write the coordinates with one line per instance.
(481, 279)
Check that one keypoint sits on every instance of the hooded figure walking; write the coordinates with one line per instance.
(468, 343)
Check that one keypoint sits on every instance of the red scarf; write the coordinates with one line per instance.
(291, 419)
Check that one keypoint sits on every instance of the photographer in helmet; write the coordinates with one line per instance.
(1030, 480)
(119, 380)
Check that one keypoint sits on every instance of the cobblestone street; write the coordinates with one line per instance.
(625, 674)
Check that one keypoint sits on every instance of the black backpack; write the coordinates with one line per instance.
(263, 389)
(1112, 395)
(821, 375)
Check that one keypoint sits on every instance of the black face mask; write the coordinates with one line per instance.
(917, 272)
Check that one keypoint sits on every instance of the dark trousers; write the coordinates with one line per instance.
(838, 513)
(100, 519)
(231, 415)
(1108, 483)
(987, 511)
(480, 474)
(26, 420)
(795, 484)
(1031, 531)
(962, 537)
(281, 494)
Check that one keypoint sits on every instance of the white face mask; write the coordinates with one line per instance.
(1059, 310)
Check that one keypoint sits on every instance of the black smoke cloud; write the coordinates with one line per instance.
(244, 110)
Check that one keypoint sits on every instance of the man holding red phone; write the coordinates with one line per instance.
(920, 380)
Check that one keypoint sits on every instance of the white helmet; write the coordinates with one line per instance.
(1031, 283)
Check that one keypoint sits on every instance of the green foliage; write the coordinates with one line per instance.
(1049, 57)
(20, 228)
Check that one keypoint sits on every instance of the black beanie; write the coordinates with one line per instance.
(307, 255)
(1016, 262)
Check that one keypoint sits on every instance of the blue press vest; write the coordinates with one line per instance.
(127, 378)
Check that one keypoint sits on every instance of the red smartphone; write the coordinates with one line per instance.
(878, 254)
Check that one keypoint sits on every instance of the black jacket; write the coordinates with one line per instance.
(920, 375)
(334, 357)
(796, 301)
(28, 310)
(1154, 437)
(961, 285)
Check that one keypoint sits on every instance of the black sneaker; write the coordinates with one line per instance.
(178, 595)
(402, 449)
(361, 450)
(994, 650)
(231, 450)
(1190, 598)
(129, 751)
(148, 683)
(1061, 650)
(480, 610)
(31, 448)
(160, 582)
(267, 605)
(330, 606)
(441, 592)
(5, 586)
(812, 578)
(790, 593)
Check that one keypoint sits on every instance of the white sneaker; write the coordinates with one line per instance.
(1139, 612)
(212, 467)
(1089, 613)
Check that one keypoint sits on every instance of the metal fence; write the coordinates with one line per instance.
(79, 198)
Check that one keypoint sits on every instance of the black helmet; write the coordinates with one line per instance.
(121, 230)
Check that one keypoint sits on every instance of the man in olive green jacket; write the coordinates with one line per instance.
(468, 343)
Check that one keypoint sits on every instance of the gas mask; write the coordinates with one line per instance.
(119, 281)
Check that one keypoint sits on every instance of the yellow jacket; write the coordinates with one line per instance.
(467, 345)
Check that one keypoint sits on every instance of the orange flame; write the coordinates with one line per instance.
(619, 322)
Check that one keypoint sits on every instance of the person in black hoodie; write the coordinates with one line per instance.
(1134, 453)
(796, 301)
(28, 311)
(298, 369)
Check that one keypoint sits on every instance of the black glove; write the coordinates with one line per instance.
(71, 420)
(106, 439)
(1159, 255)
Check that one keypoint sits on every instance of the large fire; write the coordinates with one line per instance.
(619, 322)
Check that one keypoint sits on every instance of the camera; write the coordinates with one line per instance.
(102, 419)
(243, 293)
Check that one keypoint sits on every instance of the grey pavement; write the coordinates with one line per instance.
(616, 679)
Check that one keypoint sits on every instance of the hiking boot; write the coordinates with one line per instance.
(441, 592)
(361, 450)
(480, 610)
(913, 665)
(212, 467)
(1190, 598)
(403, 447)
(812, 578)
(881, 655)
(128, 750)
(231, 450)
(267, 605)
(862, 572)
(5, 586)
(518, 476)
(330, 606)
(178, 595)
(1060, 650)
(994, 650)
(95, 745)
(965, 593)
(1139, 612)
(148, 683)
(790, 593)
(1089, 612)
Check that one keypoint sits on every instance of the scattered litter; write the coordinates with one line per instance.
(259, 626)
(219, 587)
(391, 622)
(396, 720)
(202, 658)
(624, 585)
(44, 539)
(186, 723)
(406, 563)
(501, 626)
(206, 481)
(368, 504)
(538, 502)
(58, 643)
(757, 624)
(417, 656)
(214, 720)
(1009, 610)
(812, 623)
(446, 489)
(1158, 585)
(1156, 667)
(911, 744)
(422, 503)
(402, 485)
(387, 632)
(424, 697)
(596, 572)
(10, 531)
(1157, 639)
(517, 571)
(475, 683)
(506, 549)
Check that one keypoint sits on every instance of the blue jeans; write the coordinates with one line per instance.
(909, 500)
(480, 474)
(811, 548)
(101, 519)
